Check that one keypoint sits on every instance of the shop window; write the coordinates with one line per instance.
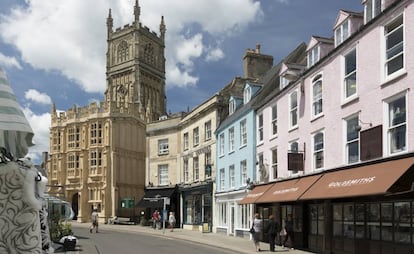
(317, 219)
(359, 221)
(402, 219)
(373, 219)
(386, 221)
(337, 220)
(349, 227)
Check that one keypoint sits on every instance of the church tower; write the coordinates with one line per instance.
(135, 72)
(98, 152)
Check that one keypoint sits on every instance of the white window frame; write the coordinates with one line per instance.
(186, 172)
(392, 127)
(342, 32)
(196, 169)
(350, 75)
(232, 178)
(274, 163)
(196, 136)
(221, 140)
(207, 130)
(243, 133)
(293, 110)
(232, 106)
(243, 172)
(316, 151)
(163, 174)
(222, 214)
(400, 49)
(247, 94)
(274, 120)
(351, 141)
(284, 82)
(372, 9)
(222, 179)
(313, 55)
(185, 138)
(163, 147)
(231, 140)
(317, 99)
(260, 134)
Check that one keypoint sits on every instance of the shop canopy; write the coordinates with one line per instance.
(381, 178)
(153, 197)
(289, 190)
(254, 194)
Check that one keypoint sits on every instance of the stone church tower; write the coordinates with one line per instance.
(97, 152)
(135, 71)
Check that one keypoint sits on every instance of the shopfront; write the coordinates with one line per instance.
(366, 208)
(154, 200)
(197, 206)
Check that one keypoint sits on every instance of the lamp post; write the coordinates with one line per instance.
(165, 201)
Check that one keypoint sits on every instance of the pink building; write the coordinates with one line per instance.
(338, 138)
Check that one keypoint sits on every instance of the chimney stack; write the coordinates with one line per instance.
(255, 64)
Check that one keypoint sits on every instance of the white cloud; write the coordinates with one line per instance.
(188, 49)
(40, 125)
(9, 61)
(36, 96)
(215, 55)
(68, 37)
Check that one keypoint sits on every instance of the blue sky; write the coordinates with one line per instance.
(54, 51)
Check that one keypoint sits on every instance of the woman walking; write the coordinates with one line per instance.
(257, 226)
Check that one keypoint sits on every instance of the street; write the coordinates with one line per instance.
(110, 242)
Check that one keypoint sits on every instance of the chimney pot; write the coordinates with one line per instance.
(258, 48)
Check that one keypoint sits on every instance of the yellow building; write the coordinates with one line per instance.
(97, 152)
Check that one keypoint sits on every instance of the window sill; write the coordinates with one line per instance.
(243, 146)
(314, 118)
(260, 143)
(293, 128)
(350, 100)
(231, 152)
(394, 77)
(273, 137)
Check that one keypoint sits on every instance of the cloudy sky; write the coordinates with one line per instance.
(54, 51)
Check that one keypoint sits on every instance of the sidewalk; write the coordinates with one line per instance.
(236, 244)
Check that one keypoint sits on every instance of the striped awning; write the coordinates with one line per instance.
(15, 131)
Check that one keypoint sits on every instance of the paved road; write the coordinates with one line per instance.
(120, 239)
(115, 242)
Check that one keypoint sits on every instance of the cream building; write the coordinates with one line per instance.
(97, 152)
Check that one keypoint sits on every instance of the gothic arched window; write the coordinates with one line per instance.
(123, 51)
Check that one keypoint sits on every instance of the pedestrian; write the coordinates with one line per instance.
(271, 230)
(94, 218)
(171, 221)
(257, 226)
(155, 219)
(289, 231)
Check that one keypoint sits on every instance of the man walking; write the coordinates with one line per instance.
(94, 218)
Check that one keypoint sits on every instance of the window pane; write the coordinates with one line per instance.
(395, 64)
(386, 221)
(350, 62)
(402, 222)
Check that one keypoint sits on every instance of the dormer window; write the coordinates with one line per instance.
(342, 32)
(247, 94)
(283, 82)
(372, 9)
(232, 106)
(313, 56)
